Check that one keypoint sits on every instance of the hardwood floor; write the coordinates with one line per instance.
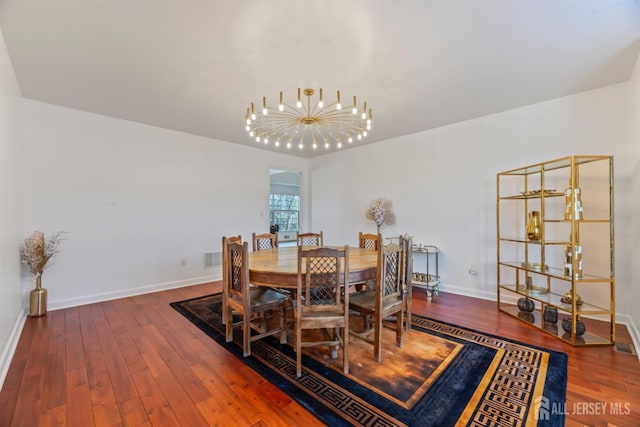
(136, 361)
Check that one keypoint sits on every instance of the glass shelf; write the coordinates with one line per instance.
(556, 272)
(553, 299)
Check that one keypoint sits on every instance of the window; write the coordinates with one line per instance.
(283, 211)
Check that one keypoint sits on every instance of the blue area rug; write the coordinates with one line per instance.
(447, 376)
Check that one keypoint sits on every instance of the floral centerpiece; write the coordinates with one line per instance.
(380, 211)
(36, 253)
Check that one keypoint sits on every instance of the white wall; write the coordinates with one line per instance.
(443, 181)
(11, 312)
(136, 200)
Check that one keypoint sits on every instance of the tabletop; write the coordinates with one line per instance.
(279, 267)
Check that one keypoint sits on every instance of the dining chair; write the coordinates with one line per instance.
(225, 239)
(251, 303)
(372, 242)
(320, 302)
(264, 241)
(369, 241)
(386, 300)
(310, 239)
(406, 242)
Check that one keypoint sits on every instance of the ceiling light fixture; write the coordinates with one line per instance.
(309, 123)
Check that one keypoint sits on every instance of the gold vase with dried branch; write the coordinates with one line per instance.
(36, 253)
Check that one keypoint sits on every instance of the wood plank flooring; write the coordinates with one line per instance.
(137, 362)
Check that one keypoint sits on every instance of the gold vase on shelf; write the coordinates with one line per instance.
(571, 252)
(38, 299)
(533, 226)
(573, 204)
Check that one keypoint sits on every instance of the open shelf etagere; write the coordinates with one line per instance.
(534, 188)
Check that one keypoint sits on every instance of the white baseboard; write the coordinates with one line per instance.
(486, 295)
(107, 296)
(627, 321)
(10, 347)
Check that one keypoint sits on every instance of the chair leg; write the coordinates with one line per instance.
(224, 309)
(298, 353)
(229, 326)
(399, 328)
(246, 335)
(408, 317)
(345, 349)
(283, 324)
(377, 343)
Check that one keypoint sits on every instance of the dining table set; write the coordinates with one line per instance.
(319, 287)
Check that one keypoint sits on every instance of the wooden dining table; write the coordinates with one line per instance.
(278, 267)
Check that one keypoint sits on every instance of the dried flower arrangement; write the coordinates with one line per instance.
(37, 250)
(380, 211)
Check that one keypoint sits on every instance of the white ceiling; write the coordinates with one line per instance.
(194, 66)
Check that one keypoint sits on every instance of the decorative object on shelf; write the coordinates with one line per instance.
(529, 283)
(380, 211)
(568, 261)
(535, 266)
(526, 304)
(36, 253)
(309, 122)
(568, 299)
(533, 226)
(550, 314)
(530, 193)
(580, 327)
(573, 204)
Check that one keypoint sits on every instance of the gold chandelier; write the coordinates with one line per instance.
(310, 123)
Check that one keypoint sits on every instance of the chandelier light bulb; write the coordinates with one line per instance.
(315, 146)
(264, 105)
(281, 105)
(355, 109)
(277, 143)
(300, 146)
(266, 140)
(299, 103)
(364, 133)
(320, 103)
(288, 145)
(350, 140)
(359, 137)
(251, 133)
(326, 145)
(339, 144)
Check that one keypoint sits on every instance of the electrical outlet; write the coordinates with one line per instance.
(473, 270)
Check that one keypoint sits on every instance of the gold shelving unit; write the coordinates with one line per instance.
(565, 270)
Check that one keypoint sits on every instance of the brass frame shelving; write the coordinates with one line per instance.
(520, 190)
